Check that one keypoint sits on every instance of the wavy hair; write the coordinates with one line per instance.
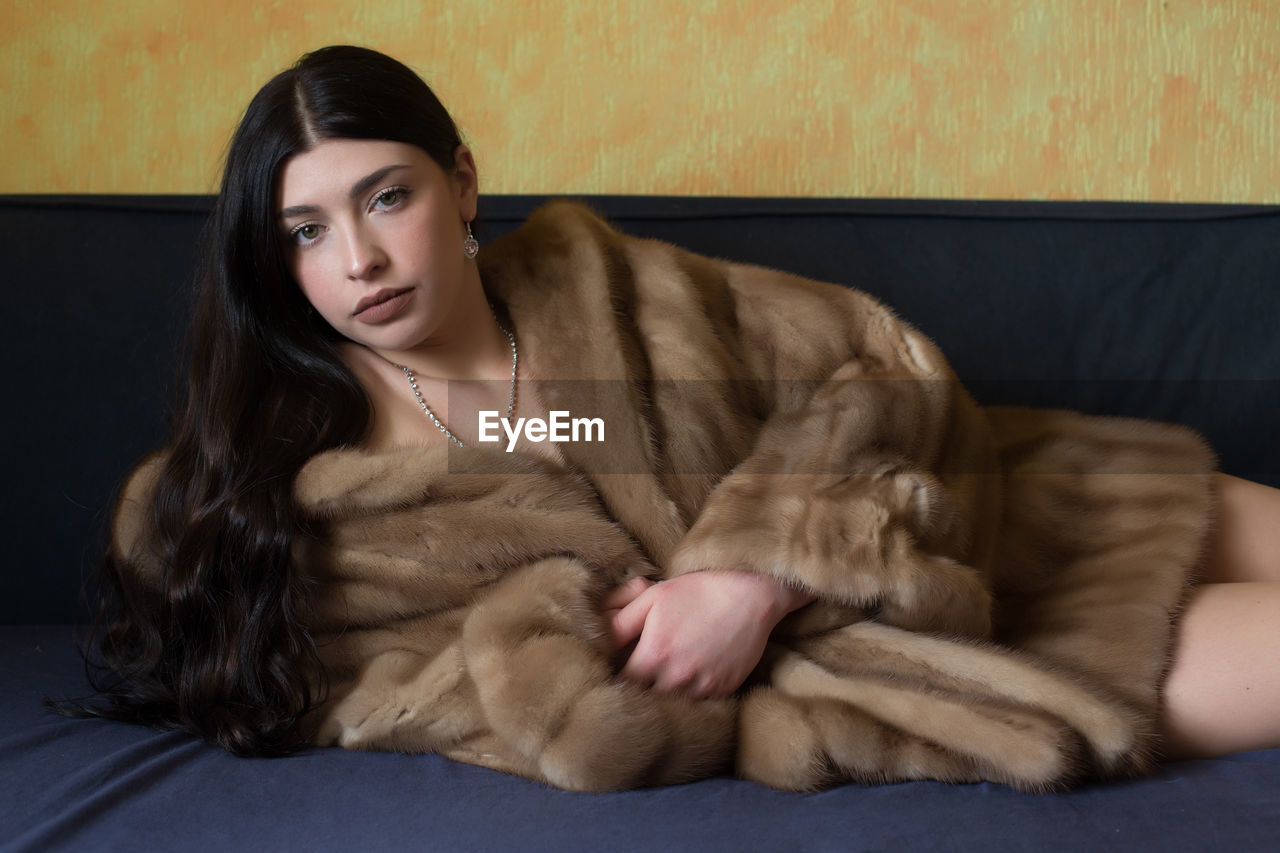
(220, 645)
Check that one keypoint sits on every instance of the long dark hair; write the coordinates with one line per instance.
(218, 644)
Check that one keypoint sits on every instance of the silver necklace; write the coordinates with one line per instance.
(511, 395)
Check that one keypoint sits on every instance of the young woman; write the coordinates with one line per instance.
(343, 306)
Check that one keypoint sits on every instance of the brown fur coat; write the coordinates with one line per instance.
(996, 588)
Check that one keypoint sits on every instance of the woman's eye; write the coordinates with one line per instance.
(389, 198)
(305, 233)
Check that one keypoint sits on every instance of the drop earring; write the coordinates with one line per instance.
(470, 246)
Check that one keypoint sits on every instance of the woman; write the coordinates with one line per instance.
(342, 305)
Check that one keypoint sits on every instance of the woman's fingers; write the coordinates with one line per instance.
(627, 623)
(621, 596)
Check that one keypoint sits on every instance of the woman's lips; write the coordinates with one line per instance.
(382, 305)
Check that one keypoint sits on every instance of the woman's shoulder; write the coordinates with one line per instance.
(132, 524)
(555, 259)
(554, 230)
(566, 244)
(568, 231)
(567, 215)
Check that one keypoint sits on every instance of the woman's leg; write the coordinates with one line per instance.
(1246, 544)
(1223, 692)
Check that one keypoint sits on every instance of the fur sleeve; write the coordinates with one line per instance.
(872, 481)
(803, 430)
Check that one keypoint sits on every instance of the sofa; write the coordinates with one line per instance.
(1159, 311)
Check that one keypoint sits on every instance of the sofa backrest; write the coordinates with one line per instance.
(1160, 311)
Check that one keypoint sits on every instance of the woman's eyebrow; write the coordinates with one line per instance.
(358, 189)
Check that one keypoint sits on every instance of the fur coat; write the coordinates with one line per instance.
(995, 589)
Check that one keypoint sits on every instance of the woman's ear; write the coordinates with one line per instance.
(467, 181)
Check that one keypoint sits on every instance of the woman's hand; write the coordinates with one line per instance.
(699, 634)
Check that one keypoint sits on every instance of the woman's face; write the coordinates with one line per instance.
(373, 235)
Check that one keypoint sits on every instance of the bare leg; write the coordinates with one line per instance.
(1223, 692)
(1246, 544)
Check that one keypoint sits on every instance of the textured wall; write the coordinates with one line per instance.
(1099, 99)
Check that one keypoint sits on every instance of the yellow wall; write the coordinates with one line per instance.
(1096, 99)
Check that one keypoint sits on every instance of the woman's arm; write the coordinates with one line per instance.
(861, 488)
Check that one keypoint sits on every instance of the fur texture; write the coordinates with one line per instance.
(996, 589)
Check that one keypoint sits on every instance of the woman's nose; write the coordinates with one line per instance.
(364, 255)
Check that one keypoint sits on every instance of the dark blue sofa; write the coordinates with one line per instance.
(1162, 311)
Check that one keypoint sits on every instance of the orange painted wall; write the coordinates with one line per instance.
(1086, 99)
